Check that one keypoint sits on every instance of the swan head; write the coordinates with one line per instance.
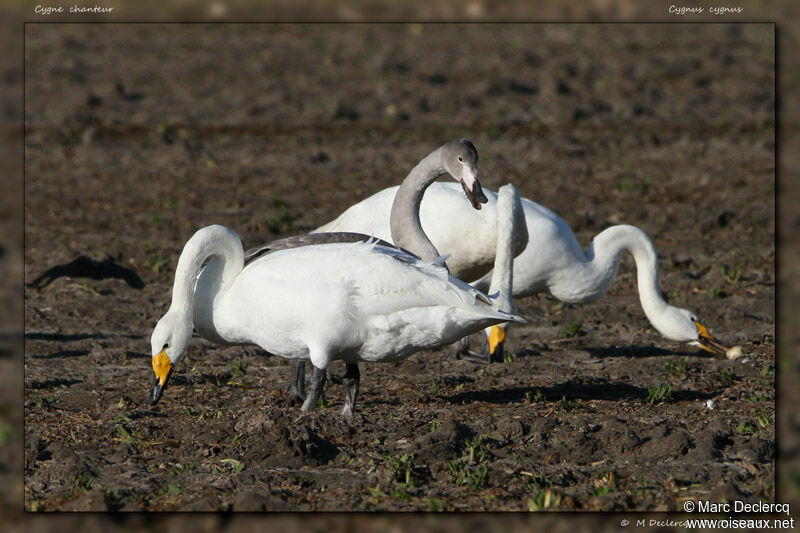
(460, 160)
(682, 325)
(168, 343)
(497, 338)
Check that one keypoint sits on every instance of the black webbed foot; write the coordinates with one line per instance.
(316, 389)
(464, 352)
(351, 382)
(297, 390)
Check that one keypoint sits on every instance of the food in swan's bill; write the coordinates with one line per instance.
(734, 352)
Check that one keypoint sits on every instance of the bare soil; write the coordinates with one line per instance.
(137, 135)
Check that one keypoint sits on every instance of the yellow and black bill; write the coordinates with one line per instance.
(707, 341)
(497, 337)
(162, 367)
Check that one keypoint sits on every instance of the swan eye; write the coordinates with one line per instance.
(166, 345)
(460, 159)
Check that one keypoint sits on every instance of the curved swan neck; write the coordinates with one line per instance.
(404, 221)
(223, 247)
(608, 247)
(508, 206)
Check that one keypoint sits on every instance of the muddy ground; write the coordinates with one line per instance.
(137, 135)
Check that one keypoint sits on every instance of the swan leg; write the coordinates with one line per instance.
(316, 390)
(351, 381)
(462, 347)
(297, 392)
(463, 351)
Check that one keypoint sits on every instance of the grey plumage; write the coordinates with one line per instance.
(310, 239)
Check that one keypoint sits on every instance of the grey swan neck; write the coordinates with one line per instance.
(404, 221)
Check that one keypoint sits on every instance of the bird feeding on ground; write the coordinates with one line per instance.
(341, 301)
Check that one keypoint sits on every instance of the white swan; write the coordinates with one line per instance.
(553, 260)
(342, 301)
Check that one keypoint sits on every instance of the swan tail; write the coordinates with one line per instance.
(509, 317)
(515, 318)
(472, 297)
(442, 260)
(502, 316)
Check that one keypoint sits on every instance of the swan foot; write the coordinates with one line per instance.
(477, 358)
(462, 347)
(297, 391)
(316, 389)
(351, 381)
(295, 398)
(464, 352)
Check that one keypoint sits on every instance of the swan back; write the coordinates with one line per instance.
(363, 298)
(308, 239)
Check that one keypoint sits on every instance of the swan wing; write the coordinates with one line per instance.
(406, 304)
(381, 279)
(309, 239)
(371, 302)
(386, 286)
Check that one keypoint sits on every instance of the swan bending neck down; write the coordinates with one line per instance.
(341, 301)
(508, 205)
(602, 260)
(576, 276)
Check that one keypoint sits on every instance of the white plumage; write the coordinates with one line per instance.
(343, 301)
